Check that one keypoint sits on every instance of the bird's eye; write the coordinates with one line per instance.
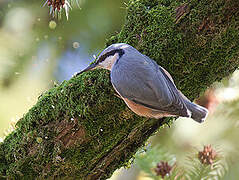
(102, 58)
(110, 53)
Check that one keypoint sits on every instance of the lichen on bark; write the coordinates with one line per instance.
(80, 129)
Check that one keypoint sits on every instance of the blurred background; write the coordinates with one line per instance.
(38, 51)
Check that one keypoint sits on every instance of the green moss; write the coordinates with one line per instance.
(80, 121)
(3, 162)
(89, 98)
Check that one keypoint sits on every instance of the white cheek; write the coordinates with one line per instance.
(109, 61)
(106, 62)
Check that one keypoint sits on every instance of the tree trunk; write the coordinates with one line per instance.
(81, 130)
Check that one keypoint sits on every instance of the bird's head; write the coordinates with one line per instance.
(108, 57)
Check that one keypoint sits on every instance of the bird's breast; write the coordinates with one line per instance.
(145, 111)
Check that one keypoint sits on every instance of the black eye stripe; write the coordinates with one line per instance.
(111, 53)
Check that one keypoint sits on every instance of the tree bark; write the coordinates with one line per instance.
(80, 129)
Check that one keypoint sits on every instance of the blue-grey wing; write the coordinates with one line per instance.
(146, 83)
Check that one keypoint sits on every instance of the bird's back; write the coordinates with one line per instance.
(139, 79)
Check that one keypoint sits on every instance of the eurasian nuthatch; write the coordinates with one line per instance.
(146, 88)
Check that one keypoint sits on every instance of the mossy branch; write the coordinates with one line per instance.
(80, 129)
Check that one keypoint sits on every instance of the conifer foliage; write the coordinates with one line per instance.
(158, 164)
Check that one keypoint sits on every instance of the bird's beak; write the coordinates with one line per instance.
(90, 67)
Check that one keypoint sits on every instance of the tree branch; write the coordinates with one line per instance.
(80, 129)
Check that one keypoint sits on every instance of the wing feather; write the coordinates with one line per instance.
(146, 83)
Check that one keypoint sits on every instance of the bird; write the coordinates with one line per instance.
(146, 87)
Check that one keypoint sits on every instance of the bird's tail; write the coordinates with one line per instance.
(199, 113)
